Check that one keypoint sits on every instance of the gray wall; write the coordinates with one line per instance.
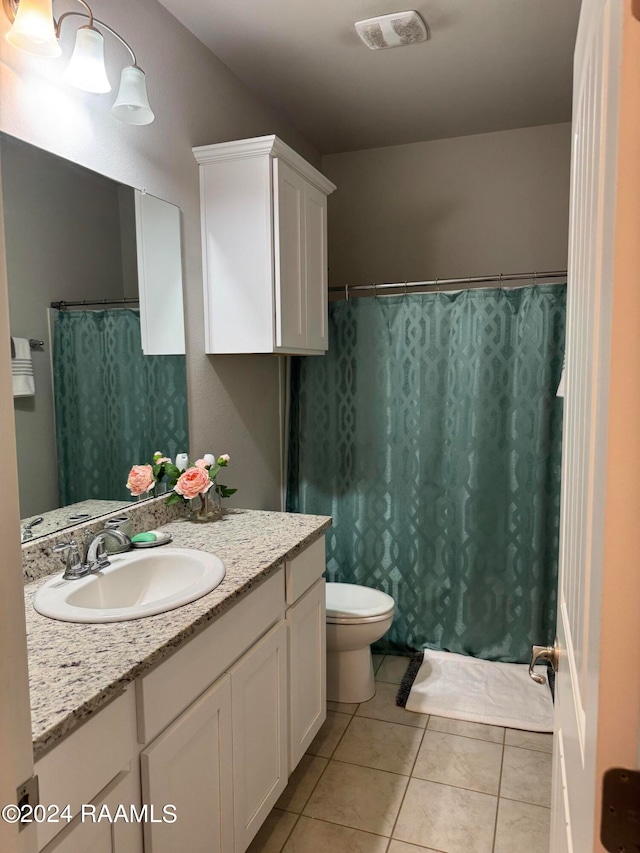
(63, 241)
(473, 205)
(233, 401)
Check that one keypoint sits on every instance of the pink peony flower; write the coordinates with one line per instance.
(141, 479)
(193, 482)
(201, 463)
(224, 459)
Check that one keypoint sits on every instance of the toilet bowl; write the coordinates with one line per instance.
(357, 616)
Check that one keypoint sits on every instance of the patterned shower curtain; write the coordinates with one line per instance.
(114, 406)
(432, 434)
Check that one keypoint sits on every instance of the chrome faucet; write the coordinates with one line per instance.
(95, 553)
(27, 530)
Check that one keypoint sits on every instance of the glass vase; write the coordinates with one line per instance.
(205, 507)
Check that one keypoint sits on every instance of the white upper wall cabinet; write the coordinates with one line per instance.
(264, 242)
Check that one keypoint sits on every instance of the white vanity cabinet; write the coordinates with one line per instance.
(213, 731)
(264, 242)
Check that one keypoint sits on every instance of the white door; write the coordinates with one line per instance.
(289, 233)
(259, 705)
(599, 553)
(189, 766)
(306, 621)
(316, 273)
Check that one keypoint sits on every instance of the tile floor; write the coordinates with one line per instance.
(379, 779)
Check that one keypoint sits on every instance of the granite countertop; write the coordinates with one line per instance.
(75, 669)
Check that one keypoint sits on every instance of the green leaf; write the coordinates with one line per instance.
(226, 492)
(174, 498)
(213, 472)
(172, 472)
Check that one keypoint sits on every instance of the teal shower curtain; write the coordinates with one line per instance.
(432, 434)
(114, 406)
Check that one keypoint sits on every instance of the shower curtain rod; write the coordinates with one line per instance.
(460, 283)
(60, 306)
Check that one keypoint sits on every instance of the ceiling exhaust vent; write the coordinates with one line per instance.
(395, 30)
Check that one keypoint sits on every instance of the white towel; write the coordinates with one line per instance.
(22, 369)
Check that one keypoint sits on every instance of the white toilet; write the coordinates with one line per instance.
(357, 616)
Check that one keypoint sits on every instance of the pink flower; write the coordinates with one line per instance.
(161, 460)
(192, 482)
(224, 459)
(201, 463)
(141, 479)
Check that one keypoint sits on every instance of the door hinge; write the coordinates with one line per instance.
(28, 795)
(620, 826)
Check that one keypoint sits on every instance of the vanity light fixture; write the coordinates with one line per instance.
(36, 31)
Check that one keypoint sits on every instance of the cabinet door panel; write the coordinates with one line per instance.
(189, 766)
(259, 707)
(315, 208)
(290, 296)
(307, 670)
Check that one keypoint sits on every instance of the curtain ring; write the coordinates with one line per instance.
(375, 289)
(500, 283)
(405, 288)
(346, 292)
(437, 285)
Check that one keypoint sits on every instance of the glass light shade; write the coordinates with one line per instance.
(86, 67)
(132, 103)
(33, 29)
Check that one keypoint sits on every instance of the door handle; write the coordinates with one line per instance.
(548, 653)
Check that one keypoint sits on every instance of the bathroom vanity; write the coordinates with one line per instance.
(201, 713)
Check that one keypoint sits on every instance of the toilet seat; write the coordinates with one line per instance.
(350, 603)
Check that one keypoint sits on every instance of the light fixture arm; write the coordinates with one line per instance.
(92, 21)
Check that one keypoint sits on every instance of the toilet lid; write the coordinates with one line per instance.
(351, 601)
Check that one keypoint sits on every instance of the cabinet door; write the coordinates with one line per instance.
(189, 766)
(307, 670)
(289, 232)
(259, 707)
(317, 296)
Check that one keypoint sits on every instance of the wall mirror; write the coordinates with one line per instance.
(97, 334)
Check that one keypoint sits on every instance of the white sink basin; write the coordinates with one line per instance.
(136, 584)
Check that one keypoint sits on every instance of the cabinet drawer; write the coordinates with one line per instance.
(304, 570)
(172, 686)
(84, 763)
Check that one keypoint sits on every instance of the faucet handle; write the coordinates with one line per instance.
(72, 560)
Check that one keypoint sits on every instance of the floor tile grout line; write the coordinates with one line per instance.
(526, 803)
(383, 720)
(322, 772)
(468, 737)
(345, 825)
(495, 824)
(413, 766)
(290, 833)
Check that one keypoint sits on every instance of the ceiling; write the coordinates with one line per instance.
(489, 65)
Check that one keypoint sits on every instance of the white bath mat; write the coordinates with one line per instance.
(480, 691)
